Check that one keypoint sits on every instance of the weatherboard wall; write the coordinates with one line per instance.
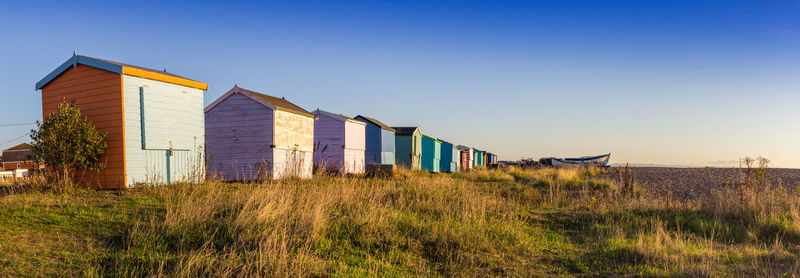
(380, 145)
(98, 94)
(294, 145)
(329, 142)
(431, 154)
(354, 147)
(340, 144)
(450, 157)
(409, 150)
(373, 143)
(169, 147)
(239, 139)
(387, 149)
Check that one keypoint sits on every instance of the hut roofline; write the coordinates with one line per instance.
(339, 117)
(406, 131)
(270, 102)
(376, 122)
(120, 68)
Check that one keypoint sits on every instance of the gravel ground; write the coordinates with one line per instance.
(696, 183)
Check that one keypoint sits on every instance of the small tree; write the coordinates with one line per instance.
(68, 141)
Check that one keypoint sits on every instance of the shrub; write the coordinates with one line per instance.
(68, 141)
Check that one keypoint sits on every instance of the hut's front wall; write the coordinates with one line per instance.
(387, 150)
(354, 147)
(464, 160)
(98, 94)
(353, 161)
(173, 133)
(404, 150)
(239, 139)
(329, 141)
(408, 150)
(293, 163)
(294, 145)
(294, 131)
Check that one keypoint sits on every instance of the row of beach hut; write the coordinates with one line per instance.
(159, 131)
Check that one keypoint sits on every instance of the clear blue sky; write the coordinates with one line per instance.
(668, 82)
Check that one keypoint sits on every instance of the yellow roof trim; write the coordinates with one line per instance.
(165, 78)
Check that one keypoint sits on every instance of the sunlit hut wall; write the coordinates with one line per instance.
(253, 136)
(380, 145)
(431, 153)
(478, 160)
(408, 146)
(450, 157)
(340, 142)
(466, 157)
(154, 119)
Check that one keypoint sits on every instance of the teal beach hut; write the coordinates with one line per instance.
(478, 161)
(450, 157)
(408, 147)
(431, 153)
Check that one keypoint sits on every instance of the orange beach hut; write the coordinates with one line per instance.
(154, 119)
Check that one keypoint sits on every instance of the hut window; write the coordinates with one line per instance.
(141, 114)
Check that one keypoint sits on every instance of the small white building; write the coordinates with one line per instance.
(253, 136)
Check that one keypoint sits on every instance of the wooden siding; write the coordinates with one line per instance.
(239, 139)
(464, 160)
(98, 94)
(173, 119)
(353, 161)
(431, 154)
(329, 142)
(408, 150)
(387, 147)
(294, 145)
(404, 151)
(340, 144)
(450, 157)
(373, 143)
(354, 135)
(293, 131)
(292, 163)
(380, 144)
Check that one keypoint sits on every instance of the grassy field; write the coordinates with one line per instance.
(509, 222)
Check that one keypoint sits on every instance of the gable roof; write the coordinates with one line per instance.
(376, 122)
(274, 103)
(23, 146)
(120, 68)
(280, 103)
(335, 116)
(21, 152)
(405, 131)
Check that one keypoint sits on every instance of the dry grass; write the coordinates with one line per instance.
(498, 222)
